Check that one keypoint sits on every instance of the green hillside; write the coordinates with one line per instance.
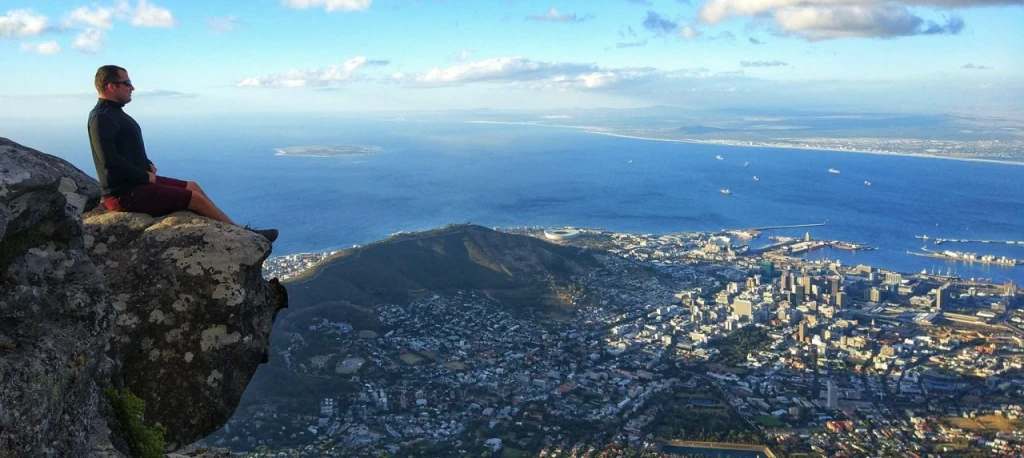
(517, 271)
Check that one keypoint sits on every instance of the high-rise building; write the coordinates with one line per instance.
(834, 284)
(799, 293)
(786, 282)
(875, 295)
(801, 331)
(807, 281)
(841, 299)
(743, 308)
(833, 396)
(943, 296)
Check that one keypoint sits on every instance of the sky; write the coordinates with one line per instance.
(191, 57)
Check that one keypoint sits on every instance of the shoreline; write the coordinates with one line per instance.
(741, 144)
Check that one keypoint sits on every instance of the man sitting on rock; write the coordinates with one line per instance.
(128, 177)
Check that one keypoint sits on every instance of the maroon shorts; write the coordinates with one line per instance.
(167, 195)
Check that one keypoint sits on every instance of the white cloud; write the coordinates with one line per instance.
(501, 69)
(22, 23)
(150, 15)
(631, 44)
(330, 5)
(321, 77)
(89, 41)
(525, 73)
(842, 21)
(828, 19)
(99, 18)
(224, 24)
(598, 79)
(46, 47)
(763, 63)
(554, 16)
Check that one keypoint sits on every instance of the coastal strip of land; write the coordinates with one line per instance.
(751, 143)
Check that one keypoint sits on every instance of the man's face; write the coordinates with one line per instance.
(122, 89)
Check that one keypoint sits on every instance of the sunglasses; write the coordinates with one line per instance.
(125, 82)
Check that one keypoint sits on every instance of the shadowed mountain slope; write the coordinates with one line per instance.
(516, 270)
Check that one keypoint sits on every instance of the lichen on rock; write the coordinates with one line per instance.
(193, 287)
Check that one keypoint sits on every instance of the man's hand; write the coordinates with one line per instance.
(152, 177)
(152, 169)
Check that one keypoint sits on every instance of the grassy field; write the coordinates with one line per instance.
(455, 366)
(990, 422)
(410, 359)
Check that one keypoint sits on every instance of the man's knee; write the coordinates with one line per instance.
(198, 202)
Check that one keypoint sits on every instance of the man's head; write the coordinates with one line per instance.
(112, 83)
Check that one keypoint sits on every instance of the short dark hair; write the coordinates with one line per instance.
(107, 74)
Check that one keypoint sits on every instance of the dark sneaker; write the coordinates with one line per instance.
(269, 234)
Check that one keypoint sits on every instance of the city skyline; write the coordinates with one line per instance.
(317, 56)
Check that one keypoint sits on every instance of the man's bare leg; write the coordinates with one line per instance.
(202, 205)
(194, 187)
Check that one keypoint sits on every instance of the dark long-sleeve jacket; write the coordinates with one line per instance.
(117, 148)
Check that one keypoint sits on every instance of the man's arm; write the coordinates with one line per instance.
(103, 132)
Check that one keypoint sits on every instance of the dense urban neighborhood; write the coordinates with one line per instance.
(676, 343)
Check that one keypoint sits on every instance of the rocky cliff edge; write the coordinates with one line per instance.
(173, 310)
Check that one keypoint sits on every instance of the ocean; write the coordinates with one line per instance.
(433, 173)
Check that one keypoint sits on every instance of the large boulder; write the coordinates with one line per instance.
(55, 315)
(194, 314)
(173, 310)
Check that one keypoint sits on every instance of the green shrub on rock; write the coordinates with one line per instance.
(127, 409)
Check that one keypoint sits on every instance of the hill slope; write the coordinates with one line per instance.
(517, 271)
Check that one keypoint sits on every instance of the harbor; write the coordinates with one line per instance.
(940, 240)
(967, 257)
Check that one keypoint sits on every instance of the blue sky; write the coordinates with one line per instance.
(325, 56)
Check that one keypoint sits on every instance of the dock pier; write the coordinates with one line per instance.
(791, 226)
(941, 240)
